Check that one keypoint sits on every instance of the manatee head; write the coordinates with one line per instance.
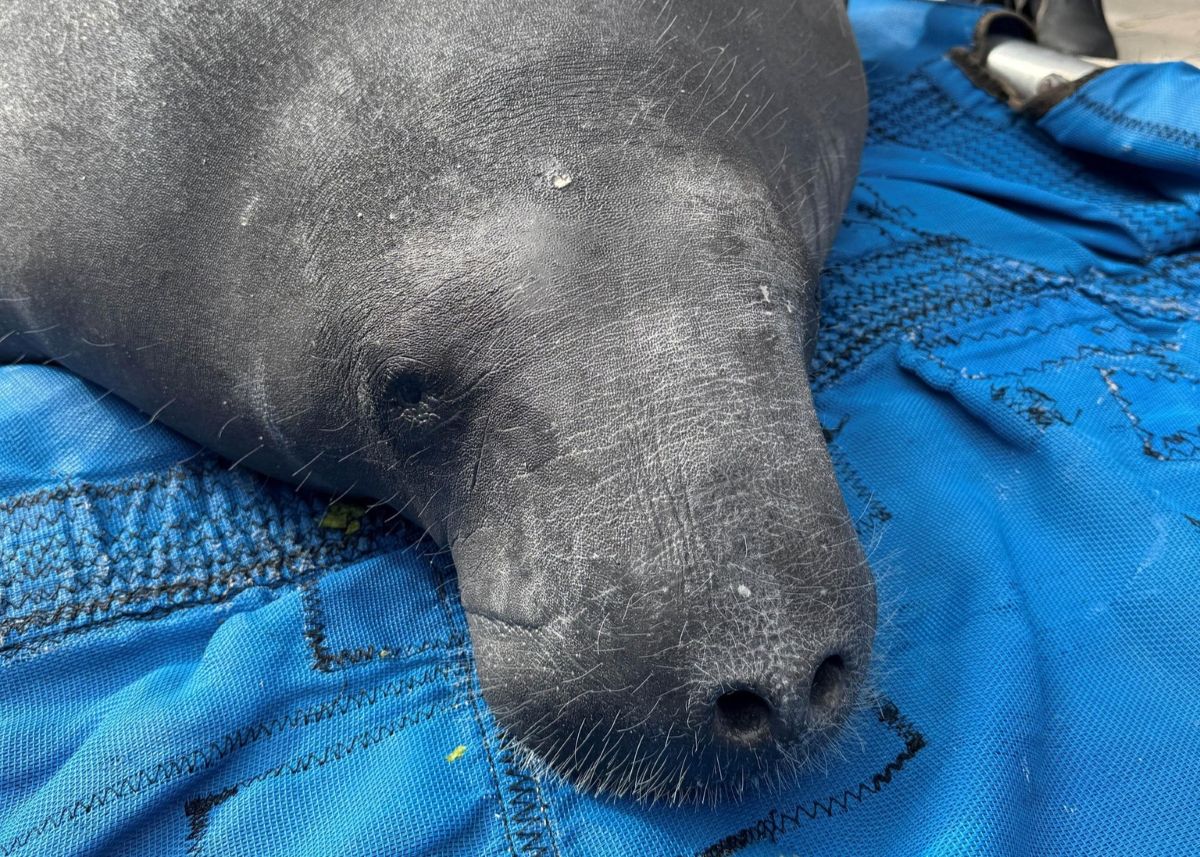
(542, 277)
(584, 346)
(607, 402)
(665, 592)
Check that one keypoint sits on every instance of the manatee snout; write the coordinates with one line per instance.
(708, 646)
(666, 595)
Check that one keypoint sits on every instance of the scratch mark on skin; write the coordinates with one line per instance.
(425, 508)
(411, 458)
(662, 35)
(479, 457)
(87, 341)
(228, 422)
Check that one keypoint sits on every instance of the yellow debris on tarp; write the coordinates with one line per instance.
(343, 516)
(456, 754)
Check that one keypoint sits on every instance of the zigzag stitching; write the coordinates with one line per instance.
(201, 589)
(197, 809)
(894, 251)
(1171, 376)
(160, 560)
(853, 478)
(202, 758)
(1143, 348)
(954, 340)
(530, 819)
(162, 493)
(325, 660)
(1035, 284)
(776, 823)
(180, 475)
(280, 519)
(1167, 132)
(828, 371)
(1147, 436)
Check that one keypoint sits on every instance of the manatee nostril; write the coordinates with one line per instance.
(828, 688)
(743, 717)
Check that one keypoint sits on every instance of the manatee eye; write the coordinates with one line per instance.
(406, 394)
(404, 389)
(402, 395)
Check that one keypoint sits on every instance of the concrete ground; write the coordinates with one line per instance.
(1150, 30)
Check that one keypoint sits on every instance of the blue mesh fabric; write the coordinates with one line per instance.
(194, 660)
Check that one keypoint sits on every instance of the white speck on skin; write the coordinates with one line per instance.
(743, 590)
(248, 211)
(560, 180)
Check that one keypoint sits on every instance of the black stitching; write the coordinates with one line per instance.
(324, 660)
(182, 594)
(1034, 405)
(1149, 348)
(531, 813)
(197, 811)
(201, 807)
(140, 560)
(207, 755)
(186, 566)
(778, 822)
(1180, 445)
(101, 490)
(875, 509)
(849, 335)
(1167, 132)
(948, 339)
(469, 684)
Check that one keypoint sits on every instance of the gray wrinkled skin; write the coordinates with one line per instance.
(541, 276)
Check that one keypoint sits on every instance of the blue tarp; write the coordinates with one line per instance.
(196, 661)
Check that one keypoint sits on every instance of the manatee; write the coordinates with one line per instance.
(540, 276)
